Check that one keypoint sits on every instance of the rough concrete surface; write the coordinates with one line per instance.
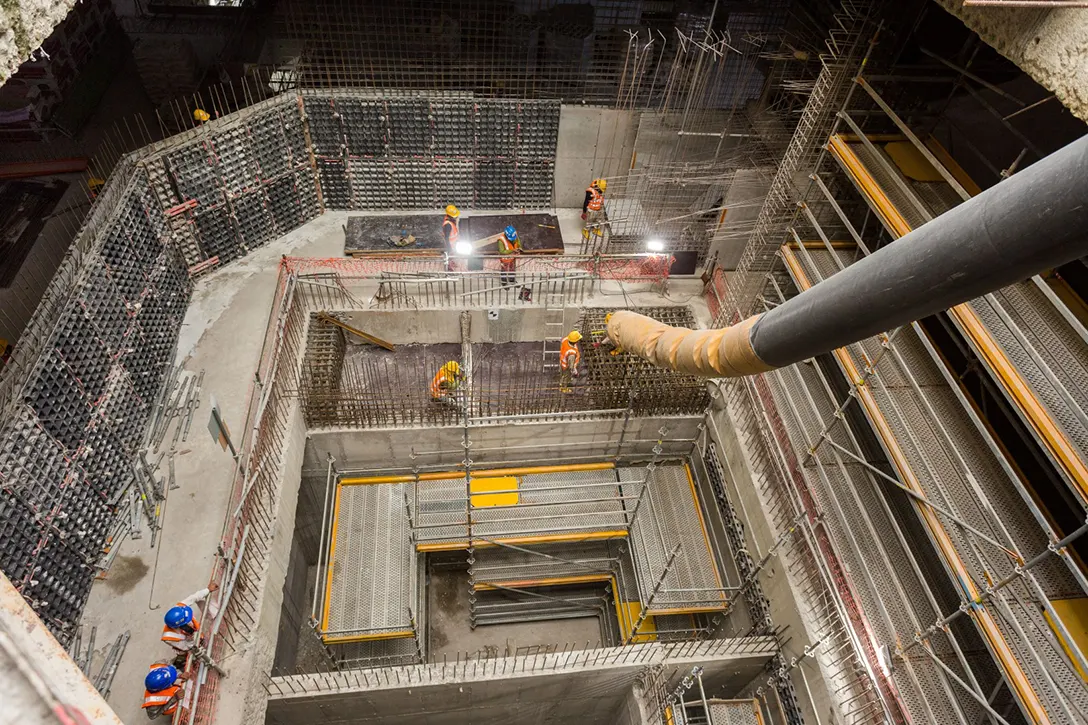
(24, 25)
(1050, 45)
(222, 334)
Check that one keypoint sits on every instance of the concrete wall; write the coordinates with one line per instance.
(593, 142)
(594, 694)
(1050, 45)
(242, 696)
(494, 444)
(775, 578)
(433, 326)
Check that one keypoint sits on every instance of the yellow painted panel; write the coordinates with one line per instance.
(910, 161)
(479, 488)
(627, 615)
(1074, 615)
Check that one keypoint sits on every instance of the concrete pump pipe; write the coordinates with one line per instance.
(1032, 221)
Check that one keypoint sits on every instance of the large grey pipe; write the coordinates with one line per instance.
(1033, 221)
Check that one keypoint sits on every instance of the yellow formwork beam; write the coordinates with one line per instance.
(558, 581)
(459, 544)
(485, 473)
(369, 637)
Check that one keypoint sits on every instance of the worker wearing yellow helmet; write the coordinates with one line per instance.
(200, 115)
(446, 382)
(451, 232)
(569, 357)
(606, 341)
(593, 209)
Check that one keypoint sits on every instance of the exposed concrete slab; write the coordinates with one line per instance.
(1050, 45)
(222, 334)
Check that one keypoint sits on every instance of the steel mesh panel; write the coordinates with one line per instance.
(538, 129)
(22, 536)
(413, 184)
(899, 200)
(373, 184)
(498, 563)
(105, 458)
(234, 159)
(101, 301)
(375, 567)
(217, 236)
(33, 466)
(57, 398)
(496, 127)
(283, 196)
(269, 144)
(410, 127)
(382, 653)
(454, 128)
(335, 185)
(533, 183)
(294, 134)
(494, 182)
(60, 584)
(256, 225)
(193, 171)
(453, 182)
(740, 712)
(367, 126)
(325, 127)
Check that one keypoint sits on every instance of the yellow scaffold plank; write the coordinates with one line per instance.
(368, 637)
(488, 473)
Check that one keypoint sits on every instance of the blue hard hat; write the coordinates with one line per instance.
(178, 616)
(511, 233)
(160, 678)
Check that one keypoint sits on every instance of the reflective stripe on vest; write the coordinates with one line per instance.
(454, 231)
(442, 384)
(566, 350)
(161, 698)
(596, 199)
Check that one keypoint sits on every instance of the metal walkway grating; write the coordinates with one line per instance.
(938, 452)
(373, 571)
(668, 515)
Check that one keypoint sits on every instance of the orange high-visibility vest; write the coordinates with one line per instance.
(162, 697)
(442, 383)
(508, 247)
(566, 350)
(596, 198)
(454, 231)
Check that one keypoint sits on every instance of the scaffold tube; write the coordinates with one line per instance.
(1032, 221)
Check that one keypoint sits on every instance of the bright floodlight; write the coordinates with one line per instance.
(655, 245)
(463, 248)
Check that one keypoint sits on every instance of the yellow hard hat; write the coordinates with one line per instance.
(452, 367)
(201, 115)
(607, 318)
(574, 336)
(452, 211)
(601, 184)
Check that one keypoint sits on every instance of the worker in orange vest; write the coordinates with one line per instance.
(509, 248)
(162, 691)
(569, 357)
(451, 232)
(446, 382)
(593, 209)
(181, 628)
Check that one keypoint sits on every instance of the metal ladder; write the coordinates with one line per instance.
(554, 295)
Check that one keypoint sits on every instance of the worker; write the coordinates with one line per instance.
(593, 209)
(569, 357)
(200, 115)
(606, 341)
(181, 629)
(509, 248)
(162, 691)
(451, 232)
(446, 382)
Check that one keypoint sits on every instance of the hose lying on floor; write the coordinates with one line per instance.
(1032, 221)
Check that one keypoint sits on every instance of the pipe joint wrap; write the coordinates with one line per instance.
(726, 352)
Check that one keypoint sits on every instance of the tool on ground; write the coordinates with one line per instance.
(326, 318)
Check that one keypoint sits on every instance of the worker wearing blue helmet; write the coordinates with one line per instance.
(181, 628)
(509, 247)
(163, 690)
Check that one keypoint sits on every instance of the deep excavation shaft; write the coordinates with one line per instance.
(1031, 222)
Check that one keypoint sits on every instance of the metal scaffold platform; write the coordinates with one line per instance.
(372, 575)
(1030, 341)
(540, 543)
(971, 503)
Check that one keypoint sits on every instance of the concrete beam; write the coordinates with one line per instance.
(1050, 45)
